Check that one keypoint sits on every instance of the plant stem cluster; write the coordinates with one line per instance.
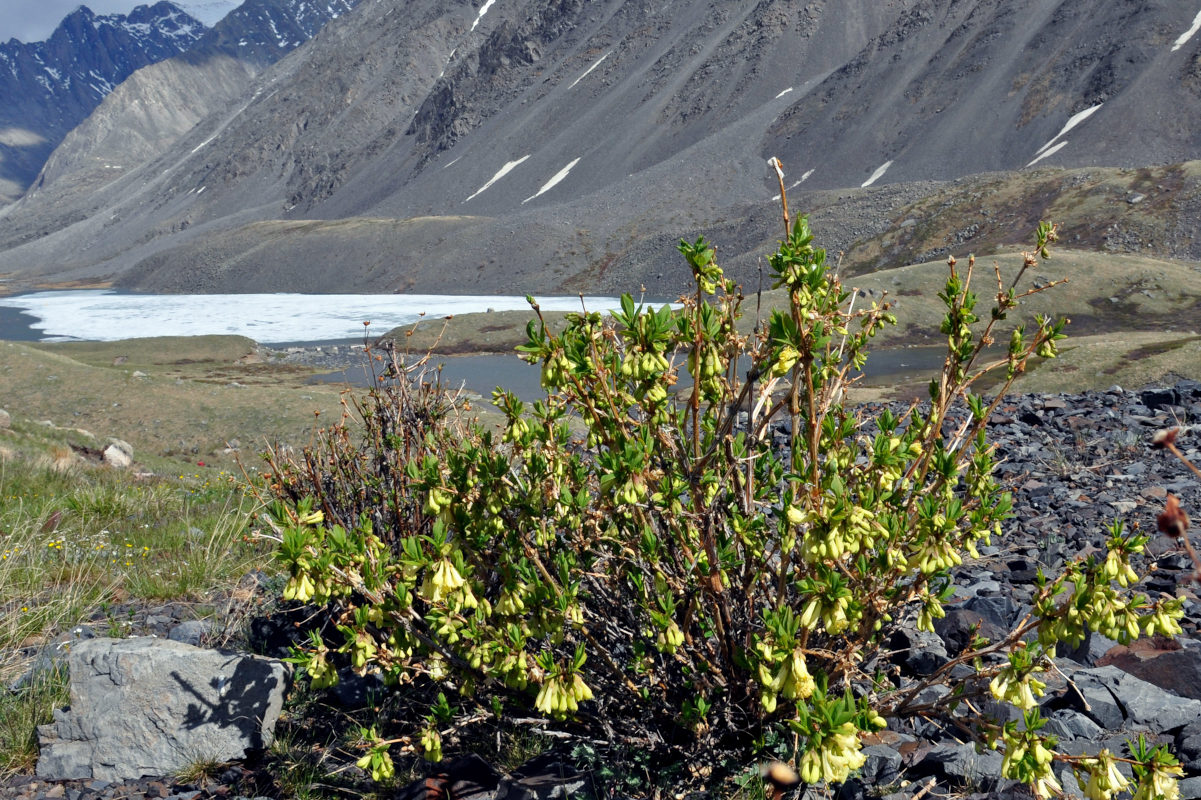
(634, 557)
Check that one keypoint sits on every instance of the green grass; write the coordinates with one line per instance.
(77, 539)
(20, 714)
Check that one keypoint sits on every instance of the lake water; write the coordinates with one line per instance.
(482, 374)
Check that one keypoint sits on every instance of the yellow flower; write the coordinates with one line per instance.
(440, 582)
(1104, 779)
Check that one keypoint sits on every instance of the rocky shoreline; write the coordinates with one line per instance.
(1075, 462)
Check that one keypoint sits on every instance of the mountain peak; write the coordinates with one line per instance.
(49, 87)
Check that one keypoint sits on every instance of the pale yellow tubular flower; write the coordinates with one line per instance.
(803, 684)
(1161, 783)
(1047, 785)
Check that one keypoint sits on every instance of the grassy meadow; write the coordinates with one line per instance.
(78, 539)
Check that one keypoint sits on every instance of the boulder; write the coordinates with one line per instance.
(959, 628)
(118, 454)
(148, 707)
(883, 765)
(193, 632)
(1188, 746)
(1119, 701)
(1190, 788)
(5, 419)
(918, 652)
(1167, 663)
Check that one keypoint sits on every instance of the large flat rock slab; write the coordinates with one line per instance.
(149, 707)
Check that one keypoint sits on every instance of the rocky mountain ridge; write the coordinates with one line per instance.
(213, 67)
(556, 146)
(47, 88)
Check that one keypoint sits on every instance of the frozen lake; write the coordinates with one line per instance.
(275, 319)
(99, 315)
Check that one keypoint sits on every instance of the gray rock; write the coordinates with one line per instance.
(1188, 746)
(5, 419)
(920, 652)
(192, 632)
(1190, 788)
(883, 765)
(543, 778)
(1099, 703)
(963, 765)
(1000, 610)
(931, 695)
(1071, 786)
(1174, 665)
(1068, 724)
(150, 707)
(1119, 700)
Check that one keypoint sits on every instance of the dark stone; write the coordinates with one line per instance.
(547, 777)
(960, 765)
(853, 789)
(961, 625)
(883, 764)
(358, 691)
(1118, 700)
(1159, 398)
(1031, 418)
(1000, 610)
(468, 777)
(1068, 724)
(193, 632)
(1188, 746)
(919, 652)
(1190, 788)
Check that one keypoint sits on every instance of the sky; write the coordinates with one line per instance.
(35, 20)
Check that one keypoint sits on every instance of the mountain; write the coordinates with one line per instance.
(214, 66)
(555, 145)
(47, 88)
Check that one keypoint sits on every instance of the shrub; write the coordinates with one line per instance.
(637, 557)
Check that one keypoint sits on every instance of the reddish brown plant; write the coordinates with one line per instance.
(1173, 521)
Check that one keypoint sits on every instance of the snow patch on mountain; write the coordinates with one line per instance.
(1050, 152)
(483, 10)
(595, 64)
(502, 172)
(1184, 37)
(554, 181)
(795, 184)
(877, 175)
(1072, 122)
